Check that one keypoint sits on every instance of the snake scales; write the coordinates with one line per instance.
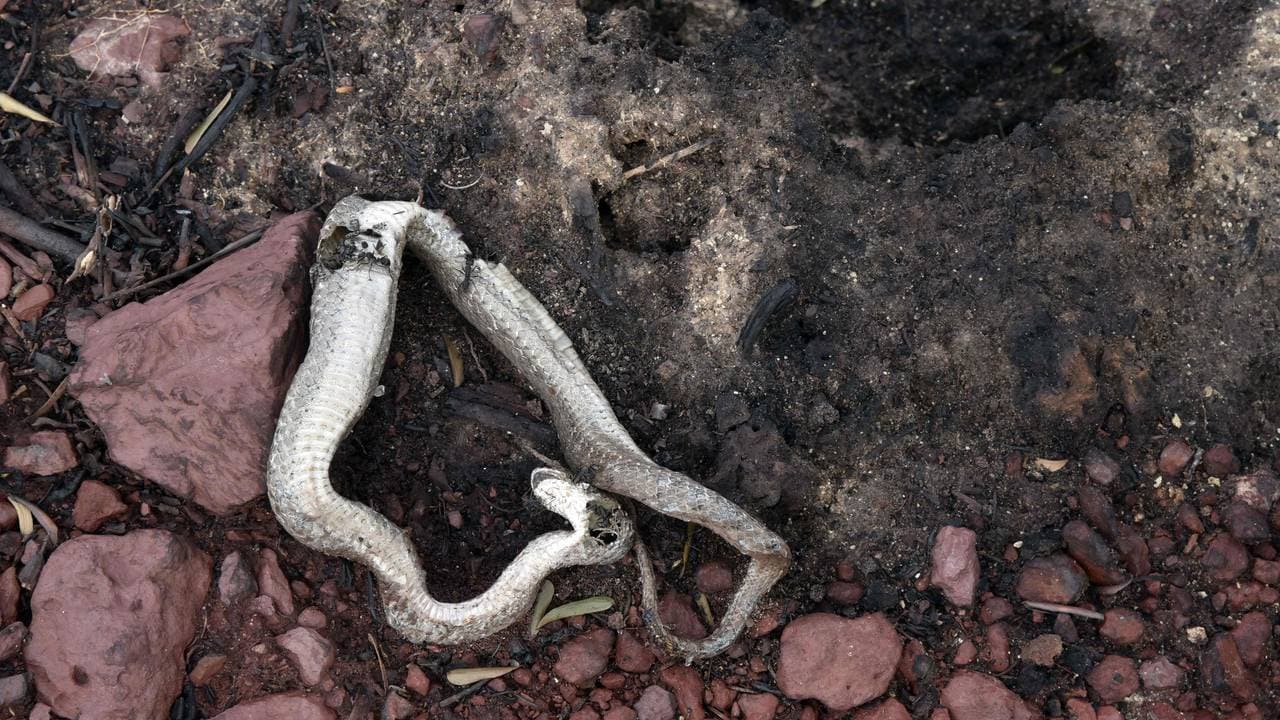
(355, 279)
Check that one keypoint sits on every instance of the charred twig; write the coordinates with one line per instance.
(25, 65)
(666, 160)
(177, 136)
(49, 403)
(488, 410)
(289, 24)
(37, 236)
(16, 257)
(782, 295)
(21, 196)
(243, 93)
(242, 242)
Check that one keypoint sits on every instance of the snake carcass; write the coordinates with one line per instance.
(354, 285)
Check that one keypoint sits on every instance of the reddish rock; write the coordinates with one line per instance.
(1100, 467)
(714, 577)
(311, 653)
(1174, 458)
(1253, 637)
(96, 503)
(1246, 523)
(176, 405)
(10, 594)
(1266, 571)
(994, 609)
(915, 664)
(417, 681)
(1133, 551)
(840, 662)
(965, 654)
(845, 593)
(1092, 553)
(1220, 461)
(686, 685)
(655, 703)
(1160, 674)
(273, 583)
(206, 669)
(11, 639)
(1258, 489)
(1223, 671)
(1189, 518)
(620, 713)
(1114, 679)
(760, 706)
(1053, 579)
(47, 452)
(396, 707)
(631, 654)
(974, 696)
(30, 305)
(1097, 509)
(677, 613)
(144, 45)
(1080, 709)
(293, 705)
(235, 579)
(1122, 627)
(313, 617)
(14, 690)
(583, 658)
(111, 620)
(887, 710)
(955, 564)
(1225, 558)
(1042, 650)
(995, 649)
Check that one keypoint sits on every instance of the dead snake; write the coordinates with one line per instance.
(352, 313)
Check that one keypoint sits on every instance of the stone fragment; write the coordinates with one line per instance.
(111, 620)
(47, 452)
(838, 661)
(311, 653)
(974, 696)
(955, 564)
(175, 404)
(96, 503)
(292, 705)
(1053, 579)
(583, 658)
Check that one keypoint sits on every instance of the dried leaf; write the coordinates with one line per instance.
(26, 523)
(455, 360)
(10, 105)
(144, 44)
(467, 676)
(200, 130)
(1048, 465)
(46, 522)
(594, 604)
(705, 607)
(545, 595)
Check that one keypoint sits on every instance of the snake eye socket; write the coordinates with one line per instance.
(604, 535)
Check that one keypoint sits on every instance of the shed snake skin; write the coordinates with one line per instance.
(354, 282)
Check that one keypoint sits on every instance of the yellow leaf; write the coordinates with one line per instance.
(194, 138)
(598, 603)
(1048, 465)
(467, 676)
(540, 606)
(455, 360)
(9, 105)
(26, 523)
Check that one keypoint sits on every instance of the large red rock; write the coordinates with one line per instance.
(955, 564)
(111, 619)
(294, 706)
(583, 658)
(839, 661)
(974, 696)
(187, 386)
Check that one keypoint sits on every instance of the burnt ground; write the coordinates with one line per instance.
(1009, 231)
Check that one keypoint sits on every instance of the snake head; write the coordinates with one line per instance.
(598, 519)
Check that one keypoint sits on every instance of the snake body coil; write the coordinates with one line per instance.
(354, 290)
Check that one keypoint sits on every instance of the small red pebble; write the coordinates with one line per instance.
(31, 304)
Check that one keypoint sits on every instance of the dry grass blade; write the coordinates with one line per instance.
(705, 607)
(585, 606)
(540, 605)
(194, 138)
(466, 676)
(26, 523)
(455, 360)
(46, 522)
(10, 105)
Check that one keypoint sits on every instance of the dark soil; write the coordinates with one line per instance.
(1015, 231)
